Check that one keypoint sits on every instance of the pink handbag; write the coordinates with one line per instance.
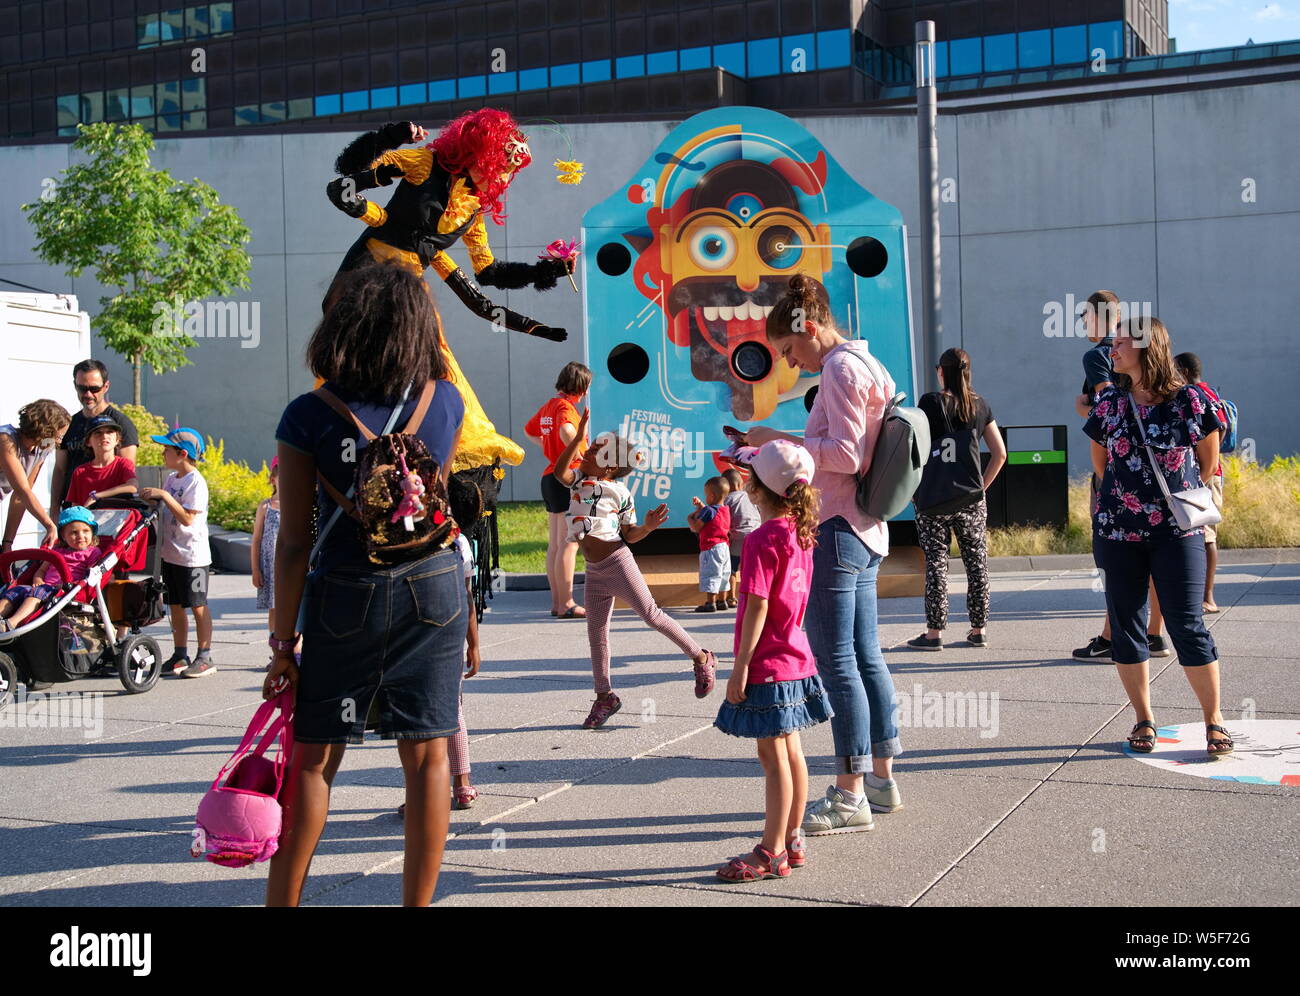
(238, 822)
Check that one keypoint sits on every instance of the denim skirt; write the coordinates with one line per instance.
(774, 708)
(394, 637)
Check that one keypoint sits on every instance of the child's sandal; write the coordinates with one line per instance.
(465, 796)
(795, 849)
(1143, 744)
(755, 866)
(1217, 748)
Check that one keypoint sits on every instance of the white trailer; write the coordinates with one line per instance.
(42, 337)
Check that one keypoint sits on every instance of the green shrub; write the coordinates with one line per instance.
(150, 454)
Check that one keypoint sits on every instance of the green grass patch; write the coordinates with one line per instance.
(522, 530)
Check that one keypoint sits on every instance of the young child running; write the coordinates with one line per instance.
(266, 527)
(186, 559)
(77, 531)
(602, 519)
(711, 521)
(744, 520)
(774, 691)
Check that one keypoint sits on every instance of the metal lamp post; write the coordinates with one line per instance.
(927, 140)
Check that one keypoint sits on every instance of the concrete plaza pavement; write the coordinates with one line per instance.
(1024, 799)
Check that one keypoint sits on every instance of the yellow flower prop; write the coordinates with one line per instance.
(570, 171)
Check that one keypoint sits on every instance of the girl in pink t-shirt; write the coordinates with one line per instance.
(774, 691)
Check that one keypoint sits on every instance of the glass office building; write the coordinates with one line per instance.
(298, 64)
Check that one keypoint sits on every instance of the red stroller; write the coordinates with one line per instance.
(72, 634)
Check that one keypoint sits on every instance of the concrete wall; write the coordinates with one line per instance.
(1141, 194)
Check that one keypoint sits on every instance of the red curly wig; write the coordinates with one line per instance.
(479, 139)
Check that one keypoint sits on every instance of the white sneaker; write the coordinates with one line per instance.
(835, 814)
(885, 799)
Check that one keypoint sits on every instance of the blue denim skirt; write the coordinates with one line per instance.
(394, 637)
(774, 708)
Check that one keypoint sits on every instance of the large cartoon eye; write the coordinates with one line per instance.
(744, 206)
(780, 247)
(713, 248)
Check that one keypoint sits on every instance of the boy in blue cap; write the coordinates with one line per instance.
(185, 554)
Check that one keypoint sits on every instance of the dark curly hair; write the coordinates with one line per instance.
(380, 333)
(41, 419)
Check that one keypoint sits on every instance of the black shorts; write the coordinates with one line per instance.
(186, 586)
(555, 496)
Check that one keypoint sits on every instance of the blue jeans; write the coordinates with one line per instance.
(841, 624)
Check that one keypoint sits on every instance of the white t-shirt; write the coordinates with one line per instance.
(186, 546)
(466, 556)
(599, 509)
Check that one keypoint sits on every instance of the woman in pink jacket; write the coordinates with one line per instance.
(841, 433)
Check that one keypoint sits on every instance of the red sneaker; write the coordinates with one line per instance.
(601, 710)
(704, 675)
(755, 866)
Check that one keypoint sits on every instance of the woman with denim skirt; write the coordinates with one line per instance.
(392, 637)
(841, 433)
(1147, 422)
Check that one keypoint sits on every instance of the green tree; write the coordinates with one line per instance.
(159, 241)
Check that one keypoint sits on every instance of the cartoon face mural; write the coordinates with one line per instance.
(689, 258)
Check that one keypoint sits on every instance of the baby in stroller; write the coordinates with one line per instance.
(77, 532)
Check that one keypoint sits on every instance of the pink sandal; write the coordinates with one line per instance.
(465, 796)
(755, 866)
(704, 675)
(796, 849)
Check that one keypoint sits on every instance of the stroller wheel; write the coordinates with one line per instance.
(139, 664)
(8, 680)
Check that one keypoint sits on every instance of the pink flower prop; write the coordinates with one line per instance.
(559, 249)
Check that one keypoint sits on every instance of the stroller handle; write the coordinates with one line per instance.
(52, 557)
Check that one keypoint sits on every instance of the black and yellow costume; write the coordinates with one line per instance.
(429, 211)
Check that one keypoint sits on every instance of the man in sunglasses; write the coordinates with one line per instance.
(91, 380)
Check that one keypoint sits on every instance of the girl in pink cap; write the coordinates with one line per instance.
(774, 691)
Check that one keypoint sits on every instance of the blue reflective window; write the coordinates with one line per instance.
(832, 49)
(999, 53)
(596, 71)
(413, 93)
(356, 100)
(764, 57)
(471, 86)
(383, 96)
(1109, 37)
(730, 57)
(696, 58)
(327, 104)
(1070, 45)
(628, 66)
(798, 51)
(501, 83)
(441, 90)
(660, 62)
(964, 56)
(535, 79)
(1035, 48)
(940, 59)
(569, 74)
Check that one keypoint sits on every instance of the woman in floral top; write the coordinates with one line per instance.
(1135, 537)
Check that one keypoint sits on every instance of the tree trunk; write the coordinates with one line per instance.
(136, 365)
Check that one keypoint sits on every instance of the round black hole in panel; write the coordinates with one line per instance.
(613, 258)
(867, 257)
(751, 361)
(628, 363)
(810, 397)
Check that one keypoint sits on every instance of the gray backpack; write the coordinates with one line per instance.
(899, 457)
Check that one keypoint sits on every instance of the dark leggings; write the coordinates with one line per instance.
(1177, 567)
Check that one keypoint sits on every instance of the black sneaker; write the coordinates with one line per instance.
(923, 642)
(980, 640)
(1156, 645)
(175, 664)
(1097, 650)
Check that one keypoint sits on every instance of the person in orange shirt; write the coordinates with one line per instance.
(552, 428)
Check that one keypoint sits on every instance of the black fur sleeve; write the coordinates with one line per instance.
(542, 275)
(365, 149)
